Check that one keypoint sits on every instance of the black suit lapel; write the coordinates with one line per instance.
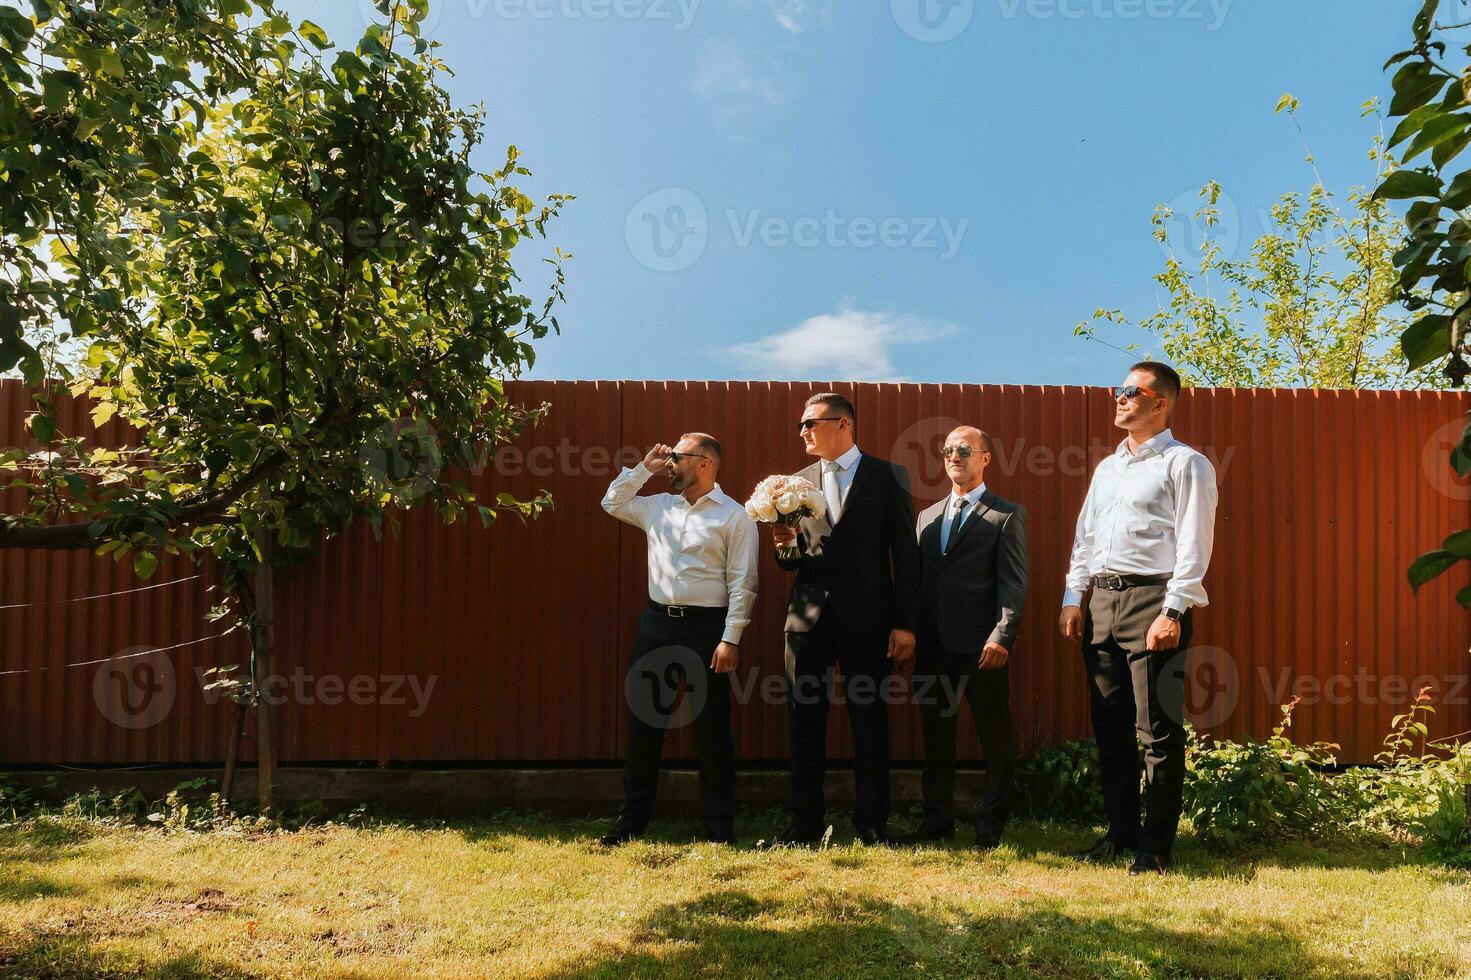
(860, 478)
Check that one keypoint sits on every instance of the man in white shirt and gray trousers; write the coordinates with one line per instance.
(1143, 544)
(702, 554)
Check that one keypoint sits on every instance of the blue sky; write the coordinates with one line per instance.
(926, 190)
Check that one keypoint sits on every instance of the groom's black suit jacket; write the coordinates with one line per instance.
(866, 568)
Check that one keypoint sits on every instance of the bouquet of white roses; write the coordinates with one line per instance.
(785, 500)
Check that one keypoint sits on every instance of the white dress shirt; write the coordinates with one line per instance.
(1148, 513)
(951, 525)
(844, 474)
(700, 554)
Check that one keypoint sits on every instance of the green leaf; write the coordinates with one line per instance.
(1426, 340)
(1425, 19)
(314, 34)
(1447, 151)
(1286, 102)
(86, 127)
(144, 564)
(1414, 85)
(1436, 132)
(43, 427)
(1411, 124)
(1464, 597)
(1459, 544)
(1458, 195)
(1428, 566)
(111, 63)
(1405, 184)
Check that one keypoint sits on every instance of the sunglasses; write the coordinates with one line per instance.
(807, 425)
(1134, 391)
(678, 457)
(963, 451)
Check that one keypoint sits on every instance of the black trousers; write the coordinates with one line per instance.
(1131, 696)
(811, 662)
(941, 681)
(667, 652)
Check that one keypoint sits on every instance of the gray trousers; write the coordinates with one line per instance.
(1129, 697)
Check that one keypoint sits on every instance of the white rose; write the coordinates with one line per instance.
(768, 512)
(815, 502)
(788, 502)
(752, 512)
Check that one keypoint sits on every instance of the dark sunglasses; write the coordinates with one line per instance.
(1134, 391)
(679, 456)
(807, 425)
(963, 451)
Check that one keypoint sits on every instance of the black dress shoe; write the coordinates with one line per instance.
(986, 841)
(1146, 864)
(1104, 852)
(620, 834)
(720, 832)
(928, 833)
(874, 837)
(798, 836)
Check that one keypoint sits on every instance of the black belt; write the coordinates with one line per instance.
(1118, 583)
(686, 612)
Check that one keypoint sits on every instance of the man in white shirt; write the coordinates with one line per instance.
(702, 554)
(1143, 545)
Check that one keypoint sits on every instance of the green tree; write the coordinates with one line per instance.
(1431, 98)
(1314, 304)
(281, 261)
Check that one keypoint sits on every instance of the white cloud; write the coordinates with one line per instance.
(724, 72)
(849, 345)
(798, 15)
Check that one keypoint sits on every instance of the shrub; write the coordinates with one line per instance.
(1062, 782)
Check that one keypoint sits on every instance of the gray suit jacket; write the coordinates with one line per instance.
(975, 593)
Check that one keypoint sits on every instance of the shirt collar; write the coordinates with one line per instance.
(715, 496)
(1150, 447)
(974, 496)
(847, 460)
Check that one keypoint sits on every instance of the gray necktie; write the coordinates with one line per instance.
(955, 523)
(830, 490)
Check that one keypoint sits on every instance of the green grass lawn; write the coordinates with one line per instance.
(535, 896)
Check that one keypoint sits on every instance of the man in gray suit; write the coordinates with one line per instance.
(973, 547)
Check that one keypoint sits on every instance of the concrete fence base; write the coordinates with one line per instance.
(472, 792)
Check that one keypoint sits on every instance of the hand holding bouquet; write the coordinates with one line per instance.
(785, 500)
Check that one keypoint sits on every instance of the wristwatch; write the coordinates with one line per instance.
(1174, 615)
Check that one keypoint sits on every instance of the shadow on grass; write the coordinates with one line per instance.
(80, 956)
(733, 932)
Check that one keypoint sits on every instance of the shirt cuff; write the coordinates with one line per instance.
(733, 634)
(1177, 602)
(1072, 597)
(641, 471)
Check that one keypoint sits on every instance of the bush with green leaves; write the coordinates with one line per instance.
(1062, 783)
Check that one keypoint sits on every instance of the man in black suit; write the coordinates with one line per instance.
(854, 604)
(973, 545)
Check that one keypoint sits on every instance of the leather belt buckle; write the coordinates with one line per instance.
(674, 612)
(1111, 583)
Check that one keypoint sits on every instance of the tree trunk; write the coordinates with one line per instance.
(233, 753)
(262, 640)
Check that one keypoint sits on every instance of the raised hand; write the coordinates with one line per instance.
(658, 458)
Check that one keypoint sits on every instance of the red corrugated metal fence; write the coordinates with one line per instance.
(453, 644)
